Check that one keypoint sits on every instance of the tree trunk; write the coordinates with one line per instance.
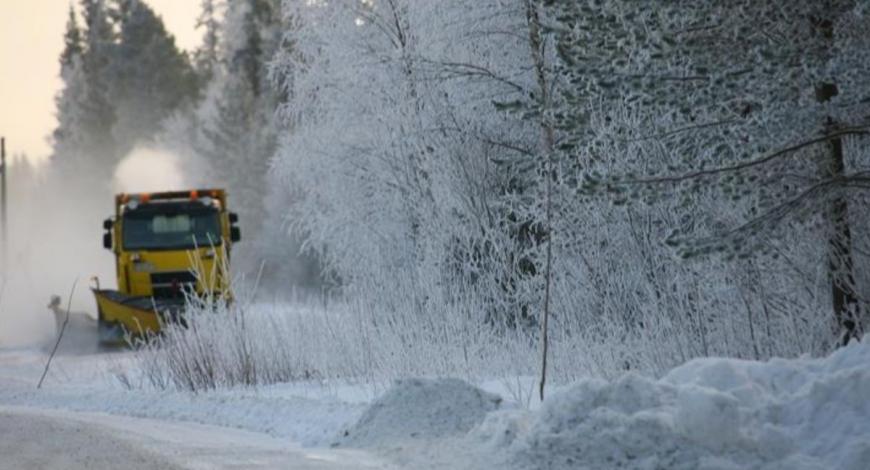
(840, 261)
(841, 267)
(536, 42)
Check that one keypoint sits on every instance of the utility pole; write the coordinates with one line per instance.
(4, 231)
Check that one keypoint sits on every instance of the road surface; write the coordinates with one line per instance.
(49, 439)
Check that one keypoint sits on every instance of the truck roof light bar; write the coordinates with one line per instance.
(218, 197)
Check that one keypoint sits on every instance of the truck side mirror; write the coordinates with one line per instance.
(234, 217)
(108, 224)
(235, 234)
(107, 240)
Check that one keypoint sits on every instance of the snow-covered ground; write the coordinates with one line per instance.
(304, 413)
(711, 413)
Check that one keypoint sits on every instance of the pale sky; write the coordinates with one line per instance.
(31, 40)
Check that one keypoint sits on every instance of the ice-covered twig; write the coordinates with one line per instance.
(59, 334)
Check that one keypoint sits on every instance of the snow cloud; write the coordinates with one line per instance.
(147, 169)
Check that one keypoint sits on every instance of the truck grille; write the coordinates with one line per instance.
(172, 284)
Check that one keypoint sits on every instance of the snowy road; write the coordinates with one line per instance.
(715, 413)
(33, 438)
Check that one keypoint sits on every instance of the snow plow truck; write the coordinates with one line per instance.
(168, 246)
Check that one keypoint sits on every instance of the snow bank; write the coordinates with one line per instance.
(707, 414)
(420, 409)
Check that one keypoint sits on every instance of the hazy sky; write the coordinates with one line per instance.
(31, 39)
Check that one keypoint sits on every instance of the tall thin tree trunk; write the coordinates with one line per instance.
(840, 260)
(536, 42)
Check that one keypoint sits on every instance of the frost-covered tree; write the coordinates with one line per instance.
(413, 170)
(233, 131)
(240, 131)
(749, 114)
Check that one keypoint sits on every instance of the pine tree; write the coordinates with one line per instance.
(72, 40)
(122, 78)
(254, 39)
(206, 57)
(70, 70)
(71, 140)
(68, 137)
(96, 112)
(151, 76)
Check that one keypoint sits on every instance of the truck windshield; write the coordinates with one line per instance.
(167, 229)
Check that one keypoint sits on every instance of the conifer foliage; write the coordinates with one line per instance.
(123, 75)
(150, 77)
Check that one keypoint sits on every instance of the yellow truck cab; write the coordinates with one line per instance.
(167, 246)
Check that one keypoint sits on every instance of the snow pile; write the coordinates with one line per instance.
(420, 409)
(707, 414)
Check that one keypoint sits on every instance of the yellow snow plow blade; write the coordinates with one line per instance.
(121, 314)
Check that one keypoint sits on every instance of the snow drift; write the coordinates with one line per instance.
(421, 409)
(799, 414)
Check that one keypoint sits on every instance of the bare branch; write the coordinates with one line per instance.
(680, 130)
(752, 163)
(781, 210)
(59, 334)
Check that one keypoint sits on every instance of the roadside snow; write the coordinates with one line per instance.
(714, 414)
(804, 414)
(420, 409)
(306, 413)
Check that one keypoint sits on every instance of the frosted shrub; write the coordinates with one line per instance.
(227, 346)
(259, 344)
